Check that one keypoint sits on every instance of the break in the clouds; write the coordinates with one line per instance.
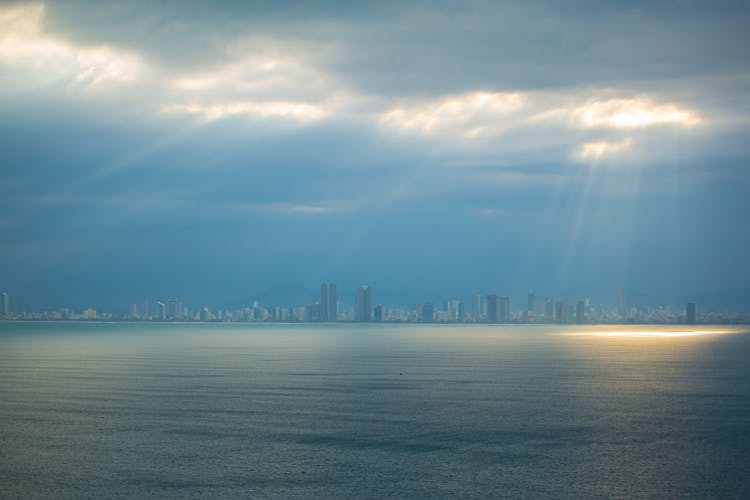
(391, 143)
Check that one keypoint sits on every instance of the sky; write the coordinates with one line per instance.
(211, 150)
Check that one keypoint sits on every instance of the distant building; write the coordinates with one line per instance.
(162, 310)
(364, 303)
(4, 305)
(259, 312)
(333, 304)
(428, 312)
(328, 302)
(478, 307)
(530, 301)
(561, 312)
(380, 313)
(323, 304)
(504, 313)
(452, 311)
(173, 309)
(549, 311)
(580, 309)
(461, 312)
(690, 313)
(493, 308)
(622, 305)
(275, 313)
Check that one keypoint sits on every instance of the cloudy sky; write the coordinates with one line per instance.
(209, 150)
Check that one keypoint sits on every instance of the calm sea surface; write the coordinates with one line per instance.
(148, 410)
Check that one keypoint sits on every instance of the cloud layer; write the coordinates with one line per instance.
(310, 136)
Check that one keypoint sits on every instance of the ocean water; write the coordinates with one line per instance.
(94, 410)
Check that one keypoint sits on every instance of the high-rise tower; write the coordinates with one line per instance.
(333, 305)
(622, 305)
(549, 311)
(323, 305)
(328, 305)
(364, 303)
(580, 312)
(504, 315)
(493, 308)
(4, 305)
(428, 312)
(690, 313)
(461, 317)
(561, 312)
(478, 307)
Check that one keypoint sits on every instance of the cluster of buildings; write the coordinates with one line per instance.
(328, 308)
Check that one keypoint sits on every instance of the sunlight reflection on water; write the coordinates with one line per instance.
(649, 333)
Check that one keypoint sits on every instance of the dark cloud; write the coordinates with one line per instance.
(437, 47)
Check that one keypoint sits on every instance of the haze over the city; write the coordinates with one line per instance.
(211, 151)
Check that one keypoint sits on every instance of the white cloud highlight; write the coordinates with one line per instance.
(268, 79)
(468, 115)
(24, 46)
(597, 149)
(633, 113)
(299, 111)
(258, 74)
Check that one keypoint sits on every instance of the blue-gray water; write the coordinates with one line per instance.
(129, 410)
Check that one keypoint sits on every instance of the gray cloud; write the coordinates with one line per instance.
(220, 149)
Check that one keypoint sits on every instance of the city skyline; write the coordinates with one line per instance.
(731, 300)
(328, 308)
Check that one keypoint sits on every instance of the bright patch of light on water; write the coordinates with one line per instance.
(648, 333)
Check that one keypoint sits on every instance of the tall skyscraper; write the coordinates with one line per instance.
(530, 301)
(173, 309)
(364, 303)
(622, 304)
(493, 308)
(315, 314)
(477, 307)
(580, 309)
(380, 313)
(328, 302)
(504, 313)
(561, 312)
(549, 311)
(690, 313)
(333, 304)
(428, 312)
(4, 305)
(461, 318)
(323, 304)
(162, 310)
